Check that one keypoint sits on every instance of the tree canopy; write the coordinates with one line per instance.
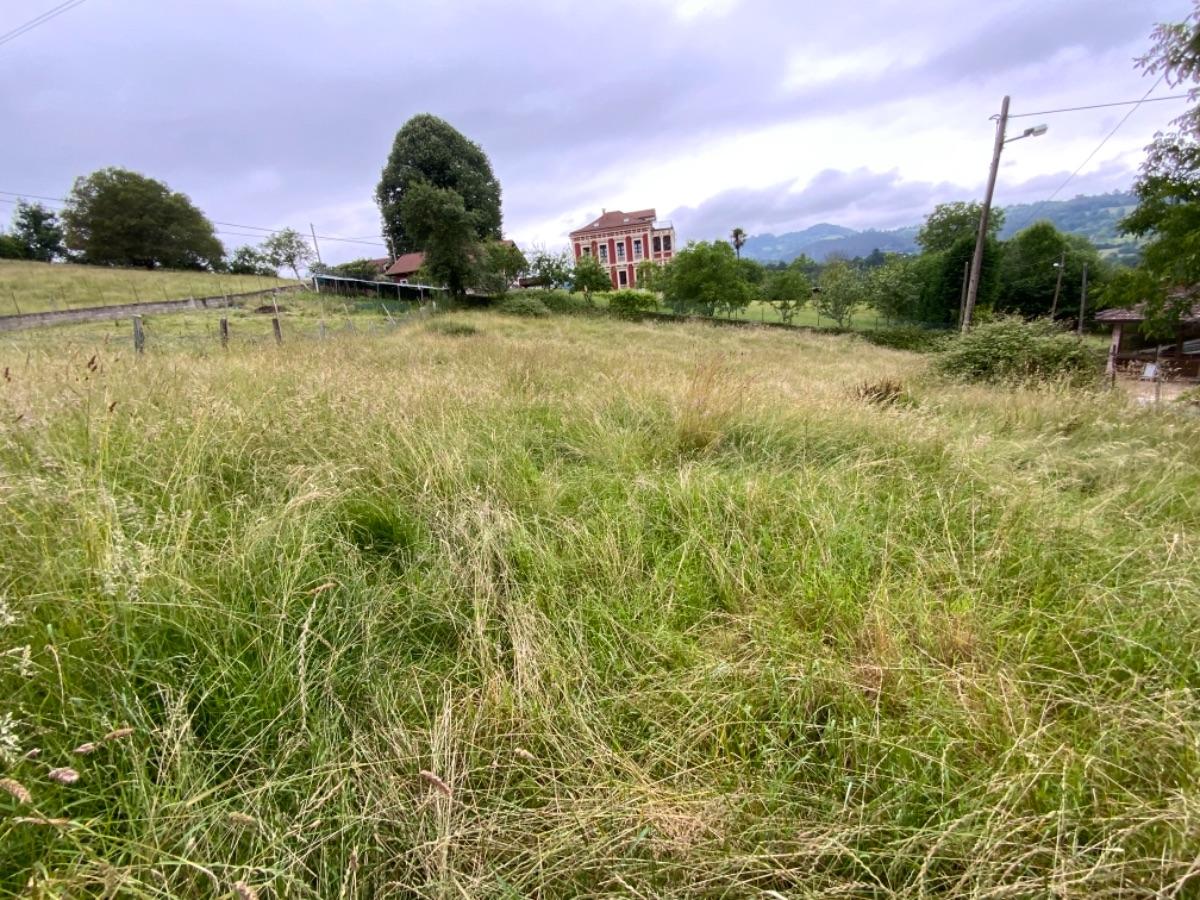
(950, 222)
(38, 232)
(590, 276)
(288, 248)
(428, 150)
(439, 221)
(705, 277)
(117, 217)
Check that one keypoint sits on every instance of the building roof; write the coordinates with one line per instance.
(406, 264)
(618, 219)
(1137, 313)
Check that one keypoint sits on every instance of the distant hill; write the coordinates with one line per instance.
(1096, 217)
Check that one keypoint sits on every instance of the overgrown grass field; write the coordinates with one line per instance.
(490, 607)
(27, 287)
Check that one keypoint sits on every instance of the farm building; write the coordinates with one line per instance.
(405, 268)
(1179, 357)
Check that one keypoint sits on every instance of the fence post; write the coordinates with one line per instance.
(321, 330)
(224, 332)
(139, 336)
(278, 330)
(1158, 375)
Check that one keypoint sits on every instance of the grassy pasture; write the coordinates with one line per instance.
(486, 607)
(38, 287)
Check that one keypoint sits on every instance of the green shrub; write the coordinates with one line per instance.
(523, 305)
(631, 304)
(451, 328)
(910, 337)
(1013, 350)
(566, 303)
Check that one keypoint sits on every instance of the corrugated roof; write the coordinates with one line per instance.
(618, 219)
(1137, 313)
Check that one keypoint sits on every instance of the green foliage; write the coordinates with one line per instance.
(703, 278)
(115, 217)
(941, 276)
(10, 247)
(631, 304)
(787, 290)
(589, 276)
(523, 303)
(564, 302)
(752, 272)
(438, 220)
(428, 150)
(362, 269)
(288, 248)
(909, 337)
(247, 260)
(893, 288)
(648, 275)
(738, 238)
(500, 264)
(551, 269)
(38, 231)
(951, 222)
(1012, 350)
(841, 289)
(1029, 272)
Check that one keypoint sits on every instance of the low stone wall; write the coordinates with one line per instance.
(125, 310)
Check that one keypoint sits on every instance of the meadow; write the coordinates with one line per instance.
(492, 607)
(27, 287)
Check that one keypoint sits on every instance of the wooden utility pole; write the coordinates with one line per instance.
(981, 238)
(316, 246)
(1062, 265)
(962, 296)
(1082, 302)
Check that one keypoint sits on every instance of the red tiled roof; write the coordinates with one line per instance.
(406, 264)
(618, 219)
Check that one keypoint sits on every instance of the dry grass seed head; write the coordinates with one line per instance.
(117, 734)
(64, 775)
(15, 789)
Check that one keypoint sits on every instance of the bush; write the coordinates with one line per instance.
(451, 328)
(910, 337)
(1013, 350)
(631, 304)
(564, 303)
(523, 305)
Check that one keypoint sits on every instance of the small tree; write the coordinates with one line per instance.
(551, 269)
(288, 248)
(648, 272)
(787, 290)
(501, 263)
(840, 292)
(10, 247)
(590, 276)
(247, 260)
(894, 288)
(38, 231)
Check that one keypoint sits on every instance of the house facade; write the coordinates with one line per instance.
(405, 268)
(620, 241)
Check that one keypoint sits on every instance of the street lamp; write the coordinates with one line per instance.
(977, 259)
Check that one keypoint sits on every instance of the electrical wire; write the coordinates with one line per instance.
(39, 20)
(1058, 190)
(1066, 109)
(261, 228)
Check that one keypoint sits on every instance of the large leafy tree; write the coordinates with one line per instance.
(38, 231)
(117, 217)
(950, 222)
(1029, 272)
(550, 268)
(500, 263)
(705, 277)
(428, 150)
(439, 222)
(247, 260)
(1168, 191)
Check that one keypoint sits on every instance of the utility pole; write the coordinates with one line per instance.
(1082, 302)
(981, 238)
(316, 246)
(962, 295)
(1062, 264)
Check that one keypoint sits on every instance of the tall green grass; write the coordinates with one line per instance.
(574, 607)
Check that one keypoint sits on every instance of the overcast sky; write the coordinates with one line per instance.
(768, 114)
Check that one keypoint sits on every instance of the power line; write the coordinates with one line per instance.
(1065, 109)
(262, 228)
(1092, 155)
(40, 20)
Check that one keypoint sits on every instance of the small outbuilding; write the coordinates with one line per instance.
(1129, 346)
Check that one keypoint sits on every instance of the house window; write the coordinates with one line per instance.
(666, 243)
(623, 278)
(621, 252)
(637, 249)
(587, 251)
(657, 244)
(603, 253)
